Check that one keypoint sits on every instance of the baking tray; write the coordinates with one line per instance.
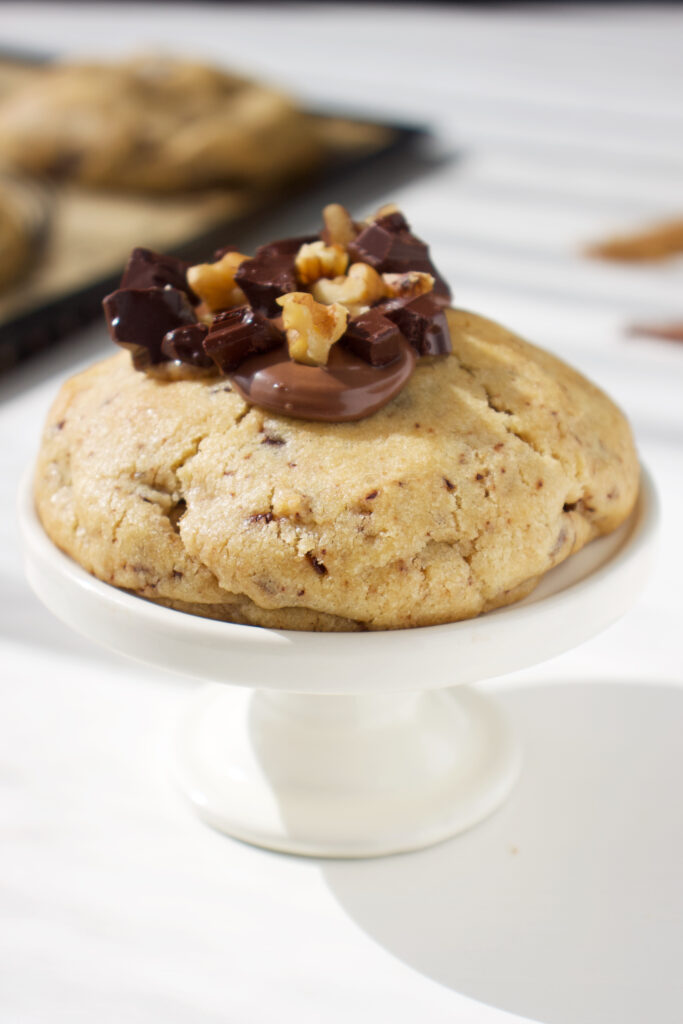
(93, 231)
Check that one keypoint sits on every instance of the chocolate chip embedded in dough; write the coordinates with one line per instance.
(238, 333)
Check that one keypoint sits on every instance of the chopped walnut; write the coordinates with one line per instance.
(339, 228)
(311, 328)
(214, 283)
(361, 287)
(384, 211)
(315, 260)
(409, 285)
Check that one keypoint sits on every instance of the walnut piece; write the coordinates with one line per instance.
(339, 228)
(358, 290)
(311, 328)
(408, 285)
(315, 260)
(384, 211)
(214, 283)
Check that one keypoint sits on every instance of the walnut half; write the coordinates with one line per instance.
(315, 260)
(408, 285)
(339, 228)
(361, 287)
(311, 328)
(214, 283)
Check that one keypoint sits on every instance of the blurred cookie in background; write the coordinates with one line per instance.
(661, 241)
(24, 220)
(153, 124)
(162, 152)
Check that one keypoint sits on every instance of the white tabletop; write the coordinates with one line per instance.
(565, 907)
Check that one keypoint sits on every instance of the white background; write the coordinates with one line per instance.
(567, 906)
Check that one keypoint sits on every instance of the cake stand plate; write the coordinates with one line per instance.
(349, 744)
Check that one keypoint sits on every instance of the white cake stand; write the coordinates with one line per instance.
(349, 744)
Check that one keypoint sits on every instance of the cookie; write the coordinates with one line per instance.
(24, 218)
(154, 124)
(491, 465)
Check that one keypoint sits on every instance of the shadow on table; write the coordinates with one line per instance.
(567, 905)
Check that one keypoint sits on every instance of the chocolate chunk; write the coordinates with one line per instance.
(422, 321)
(264, 278)
(147, 269)
(286, 246)
(139, 318)
(238, 333)
(373, 337)
(185, 344)
(393, 221)
(270, 273)
(389, 246)
(220, 253)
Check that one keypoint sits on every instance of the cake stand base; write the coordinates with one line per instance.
(355, 750)
(344, 776)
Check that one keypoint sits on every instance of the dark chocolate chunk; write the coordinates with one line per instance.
(139, 318)
(147, 269)
(393, 221)
(286, 246)
(422, 321)
(220, 253)
(373, 337)
(270, 273)
(238, 333)
(264, 278)
(185, 344)
(390, 247)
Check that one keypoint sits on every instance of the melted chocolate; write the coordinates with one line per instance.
(348, 388)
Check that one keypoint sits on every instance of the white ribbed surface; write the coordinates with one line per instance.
(566, 907)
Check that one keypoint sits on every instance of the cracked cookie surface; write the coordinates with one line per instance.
(491, 466)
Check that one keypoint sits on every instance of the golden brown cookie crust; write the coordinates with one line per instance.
(490, 467)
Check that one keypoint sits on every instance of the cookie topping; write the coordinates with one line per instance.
(389, 246)
(139, 319)
(265, 278)
(347, 388)
(409, 285)
(214, 283)
(374, 338)
(315, 260)
(311, 327)
(423, 323)
(328, 326)
(147, 269)
(237, 334)
(185, 344)
(339, 228)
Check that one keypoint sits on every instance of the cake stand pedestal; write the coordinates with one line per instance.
(349, 744)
